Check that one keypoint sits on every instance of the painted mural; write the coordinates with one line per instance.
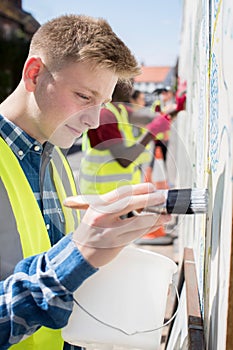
(206, 131)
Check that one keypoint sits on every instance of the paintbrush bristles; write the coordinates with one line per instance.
(199, 200)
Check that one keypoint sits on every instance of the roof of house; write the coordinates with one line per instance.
(14, 13)
(153, 74)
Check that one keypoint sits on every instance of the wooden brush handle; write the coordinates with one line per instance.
(76, 202)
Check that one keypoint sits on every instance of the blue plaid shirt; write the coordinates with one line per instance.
(61, 270)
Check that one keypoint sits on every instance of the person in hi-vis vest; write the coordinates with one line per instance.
(73, 65)
(115, 152)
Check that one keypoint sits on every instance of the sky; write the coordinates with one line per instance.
(150, 28)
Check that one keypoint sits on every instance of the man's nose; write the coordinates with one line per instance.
(93, 117)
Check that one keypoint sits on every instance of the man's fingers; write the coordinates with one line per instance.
(128, 191)
(138, 202)
(122, 232)
(100, 201)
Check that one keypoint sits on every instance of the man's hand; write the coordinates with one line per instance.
(103, 232)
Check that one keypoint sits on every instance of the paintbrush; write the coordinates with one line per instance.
(177, 201)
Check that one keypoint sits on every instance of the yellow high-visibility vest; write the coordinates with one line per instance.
(30, 225)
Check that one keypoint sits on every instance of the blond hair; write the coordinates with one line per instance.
(79, 38)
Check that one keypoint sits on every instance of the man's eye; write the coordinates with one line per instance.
(83, 96)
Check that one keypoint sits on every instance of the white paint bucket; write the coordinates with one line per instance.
(123, 303)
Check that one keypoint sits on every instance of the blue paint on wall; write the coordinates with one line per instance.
(214, 115)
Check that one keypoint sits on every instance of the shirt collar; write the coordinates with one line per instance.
(17, 139)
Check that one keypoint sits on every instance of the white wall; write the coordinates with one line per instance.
(205, 133)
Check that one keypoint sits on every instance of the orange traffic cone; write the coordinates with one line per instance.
(159, 174)
(156, 171)
(156, 175)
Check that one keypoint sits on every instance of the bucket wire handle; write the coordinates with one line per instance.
(136, 332)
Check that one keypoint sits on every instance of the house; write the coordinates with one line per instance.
(16, 30)
(15, 21)
(153, 76)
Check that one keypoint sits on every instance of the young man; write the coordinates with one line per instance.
(73, 65)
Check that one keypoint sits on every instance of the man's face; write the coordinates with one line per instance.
(141, 100)
(69, 101)
(167, 95)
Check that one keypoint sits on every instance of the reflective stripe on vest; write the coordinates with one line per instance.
(127, 130)
(62, 174)
(99, 171)
(32, 231)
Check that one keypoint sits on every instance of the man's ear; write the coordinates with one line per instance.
(32, 68)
